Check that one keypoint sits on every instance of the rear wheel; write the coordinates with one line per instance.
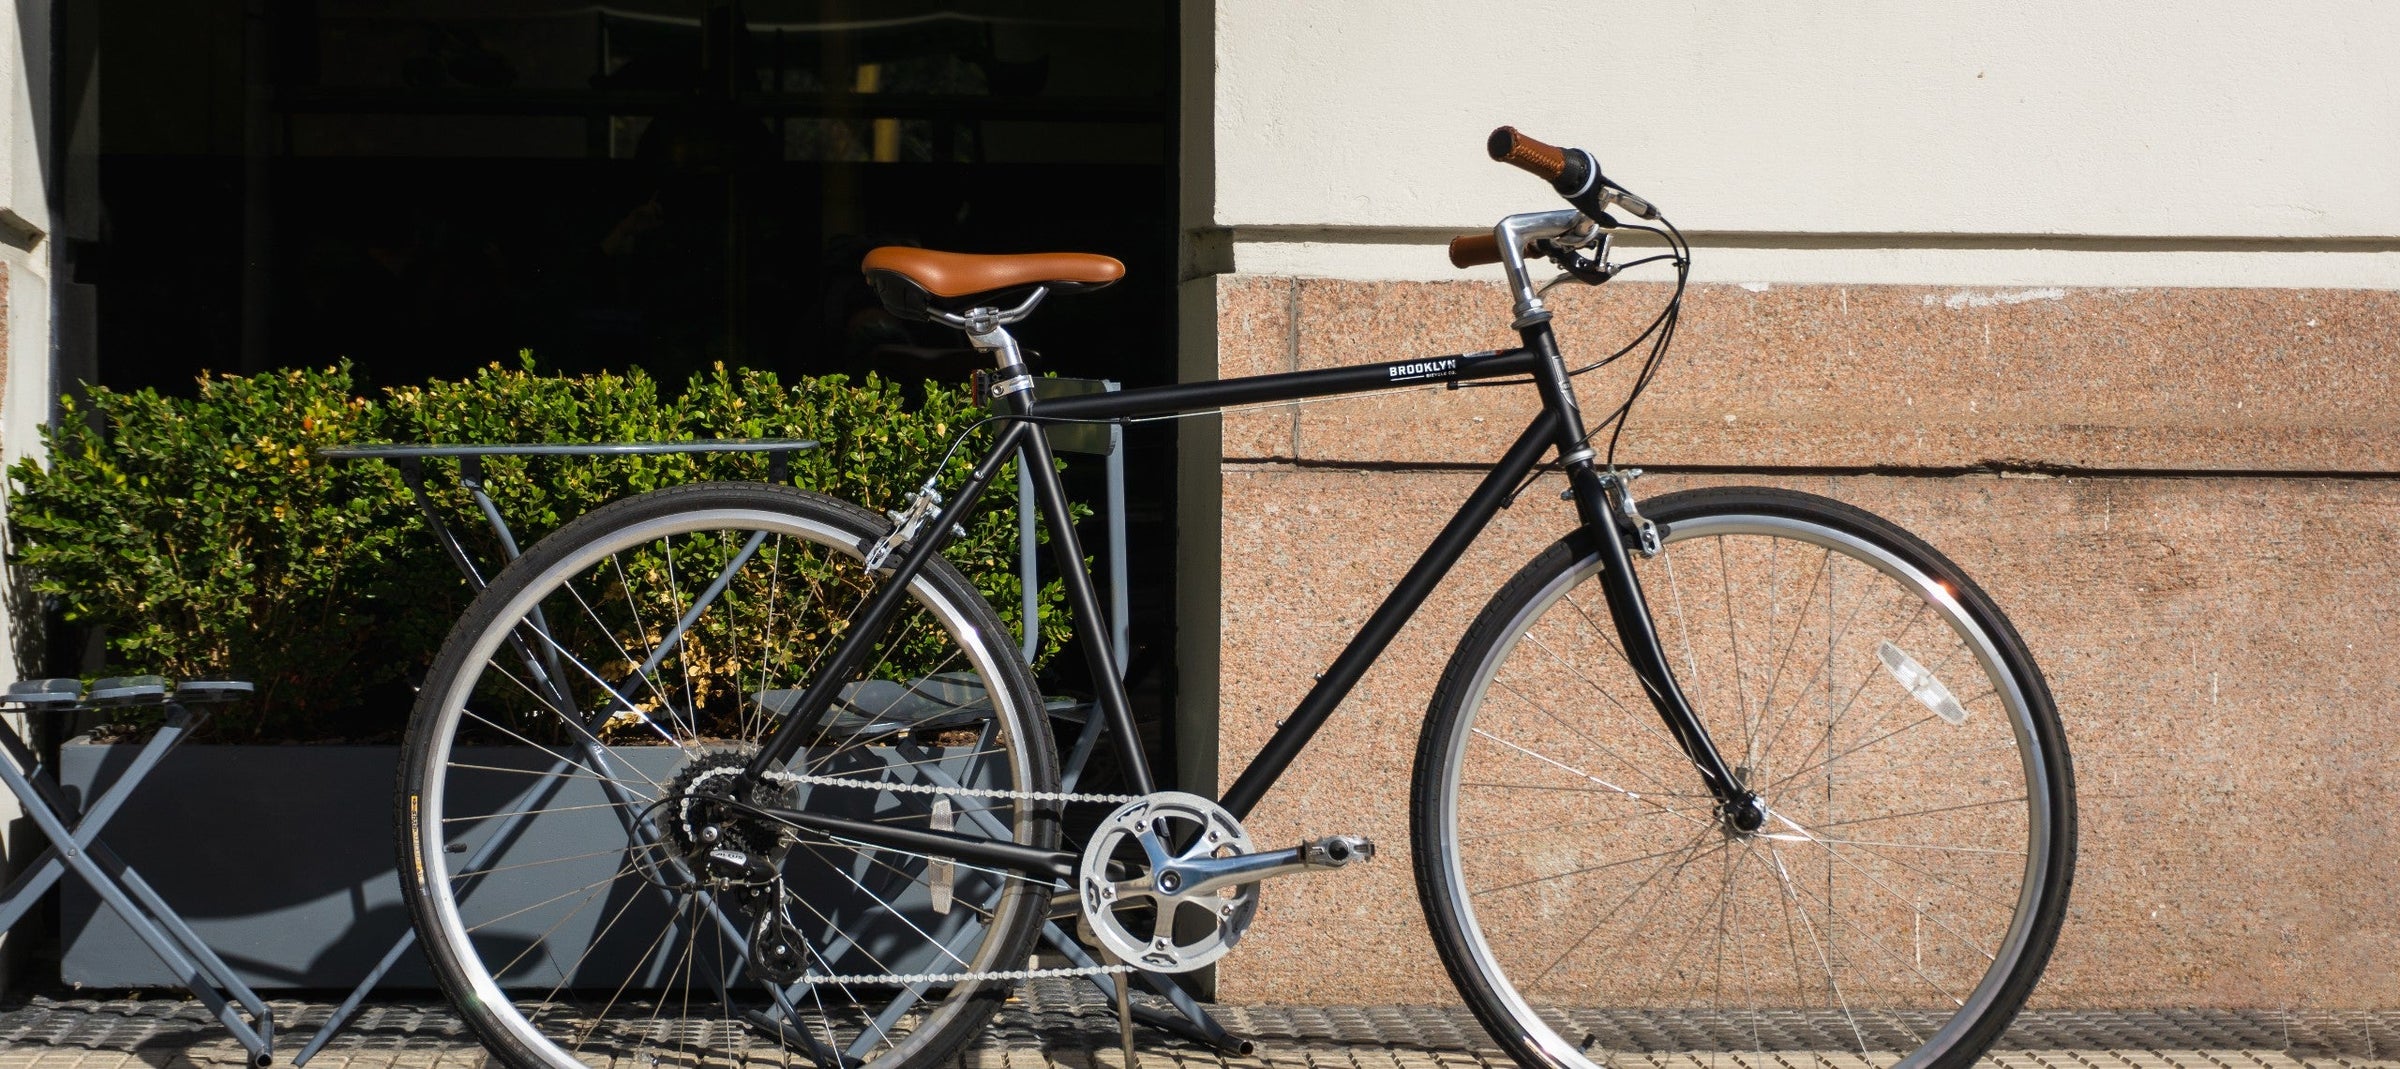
(588, 882)
(1909, 882)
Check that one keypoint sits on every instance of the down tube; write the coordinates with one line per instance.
(1489, 497)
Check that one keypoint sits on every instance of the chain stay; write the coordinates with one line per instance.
(905, 979)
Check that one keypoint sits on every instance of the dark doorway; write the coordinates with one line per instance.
(427, 186)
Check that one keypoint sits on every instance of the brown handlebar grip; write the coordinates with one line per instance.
(1510, 147)
(1474, 250)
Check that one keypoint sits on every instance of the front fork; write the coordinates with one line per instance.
(1604, 502)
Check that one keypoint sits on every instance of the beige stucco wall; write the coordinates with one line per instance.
(1980, 143)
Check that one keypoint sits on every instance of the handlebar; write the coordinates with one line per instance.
(1576, 176)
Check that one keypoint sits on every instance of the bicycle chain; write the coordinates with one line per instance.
(803, 778)
(904, 979)
(962, 977)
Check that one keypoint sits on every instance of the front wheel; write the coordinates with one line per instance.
(1908, 884)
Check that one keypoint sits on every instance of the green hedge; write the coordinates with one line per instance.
(206, 536)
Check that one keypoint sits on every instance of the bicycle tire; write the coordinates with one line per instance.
(1892, 911)
(506, 806)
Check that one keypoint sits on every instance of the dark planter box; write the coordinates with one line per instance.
(282, 859)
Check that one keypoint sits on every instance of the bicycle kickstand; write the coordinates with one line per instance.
(1124, 997)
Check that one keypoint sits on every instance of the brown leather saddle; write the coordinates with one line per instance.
(913, 282)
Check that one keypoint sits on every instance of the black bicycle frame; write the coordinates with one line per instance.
(1559, 426)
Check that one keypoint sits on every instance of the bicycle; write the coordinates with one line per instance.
(1803, 793)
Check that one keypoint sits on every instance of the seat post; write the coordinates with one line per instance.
(987, 330)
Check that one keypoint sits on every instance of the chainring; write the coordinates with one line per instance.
(1140, 836)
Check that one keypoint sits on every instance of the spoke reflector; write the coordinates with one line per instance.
(1921, 683)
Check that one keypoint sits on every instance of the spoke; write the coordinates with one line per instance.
(675, 638)
(563, 759)
(954, 862)
(1691, 852)
(1612, 821)
(1585, 871)
(621, 700)
(1573, 771)
(529, 812)
(1651, 723)
(1571, 728)
(640, 669)
(1791, 640)
(555, 925)
(1884, 707)
(1922, 812)
(1571, 790)
(633, 607)
(1912, 725)
(1877, 941)
(1733, 640)
(1683, 619)
(1824, 671)
(894, 911)
(964, 811)
(464, 874)
(601, 1018)
(1911, 903)
(754, 716)
(1716, 903)
(903, 875)
(460, 766)
(1918, 846)
(1952, 757)
(864, 784)
(683, 962)
(841, 935)
(1817, 941)
(861, 739)
(521, 910)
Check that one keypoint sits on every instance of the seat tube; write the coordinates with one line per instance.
(1012, 389)
(1626, 605)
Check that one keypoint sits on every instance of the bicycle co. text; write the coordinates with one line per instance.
(1422, 369)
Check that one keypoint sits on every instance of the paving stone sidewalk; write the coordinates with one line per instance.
(1057, 1027)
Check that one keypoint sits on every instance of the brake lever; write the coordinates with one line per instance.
(1590, 270)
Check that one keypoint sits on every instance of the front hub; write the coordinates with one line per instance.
(1743, 814)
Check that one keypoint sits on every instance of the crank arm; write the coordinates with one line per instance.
(1203, 875)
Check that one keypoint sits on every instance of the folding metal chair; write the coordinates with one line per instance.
(74, 834)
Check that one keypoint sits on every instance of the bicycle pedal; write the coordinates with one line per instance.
(1335, 851)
